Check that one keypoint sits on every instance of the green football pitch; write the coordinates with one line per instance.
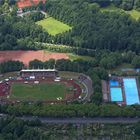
(53, 26)
(42, 91)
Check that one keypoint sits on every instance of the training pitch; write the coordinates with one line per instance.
(53, 26)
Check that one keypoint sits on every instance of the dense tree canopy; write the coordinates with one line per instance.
(10, 66)
(72, 110)
(21, 33)
(95, 29)
(92, 28)
(13, 129)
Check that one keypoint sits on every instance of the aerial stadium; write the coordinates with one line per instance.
(44, 85)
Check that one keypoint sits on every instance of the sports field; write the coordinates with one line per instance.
(53, 26)
(41, 91)
(131, 91)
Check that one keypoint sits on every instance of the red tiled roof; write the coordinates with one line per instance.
(28, 3)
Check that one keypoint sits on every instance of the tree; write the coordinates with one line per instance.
(136, 61)
(40, 5)
(96, 98)
(1, 2)
(36, 16)
(137, 5)
(117, 2)
(10, 66)
(102, 3)
(36, 64)
(5, 46)
(127, 4)
(10, 39)
(137, 129)
(94, 29)
(11, 2)
(50, 64)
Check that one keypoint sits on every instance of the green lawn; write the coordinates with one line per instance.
(122, 66)
(41, 91)
(53, 26)
(118, 70)
(73, 57)
(133, 13)
(110, 8)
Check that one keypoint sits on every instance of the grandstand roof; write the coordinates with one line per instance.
(39, 70)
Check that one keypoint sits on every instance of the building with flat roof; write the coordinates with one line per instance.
(38, 73)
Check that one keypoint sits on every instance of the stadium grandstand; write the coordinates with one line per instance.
(38, 73)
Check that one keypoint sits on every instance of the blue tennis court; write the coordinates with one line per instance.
(116, 94)
(131, 91)
(114, 83)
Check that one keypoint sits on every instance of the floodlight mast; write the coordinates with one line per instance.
(54, 64)
(78, 63)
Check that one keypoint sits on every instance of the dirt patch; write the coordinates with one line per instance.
(27, 56)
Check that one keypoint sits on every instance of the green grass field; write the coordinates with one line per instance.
(53, 26)
(110, 8)
(133, 13)
(41, 91)
(73, 57)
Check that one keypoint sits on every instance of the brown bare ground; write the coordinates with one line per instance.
(27, 56)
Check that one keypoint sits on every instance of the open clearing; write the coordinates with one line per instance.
(27, 56)
(42, 55)
(133, 13)
(73, 57)
(53, 26)
(41, 91)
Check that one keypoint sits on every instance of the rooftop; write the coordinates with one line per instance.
(38, 70)
(28, 3)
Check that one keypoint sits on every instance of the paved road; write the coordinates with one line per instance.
(84, 120)
(28, 12)
(78, 120)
